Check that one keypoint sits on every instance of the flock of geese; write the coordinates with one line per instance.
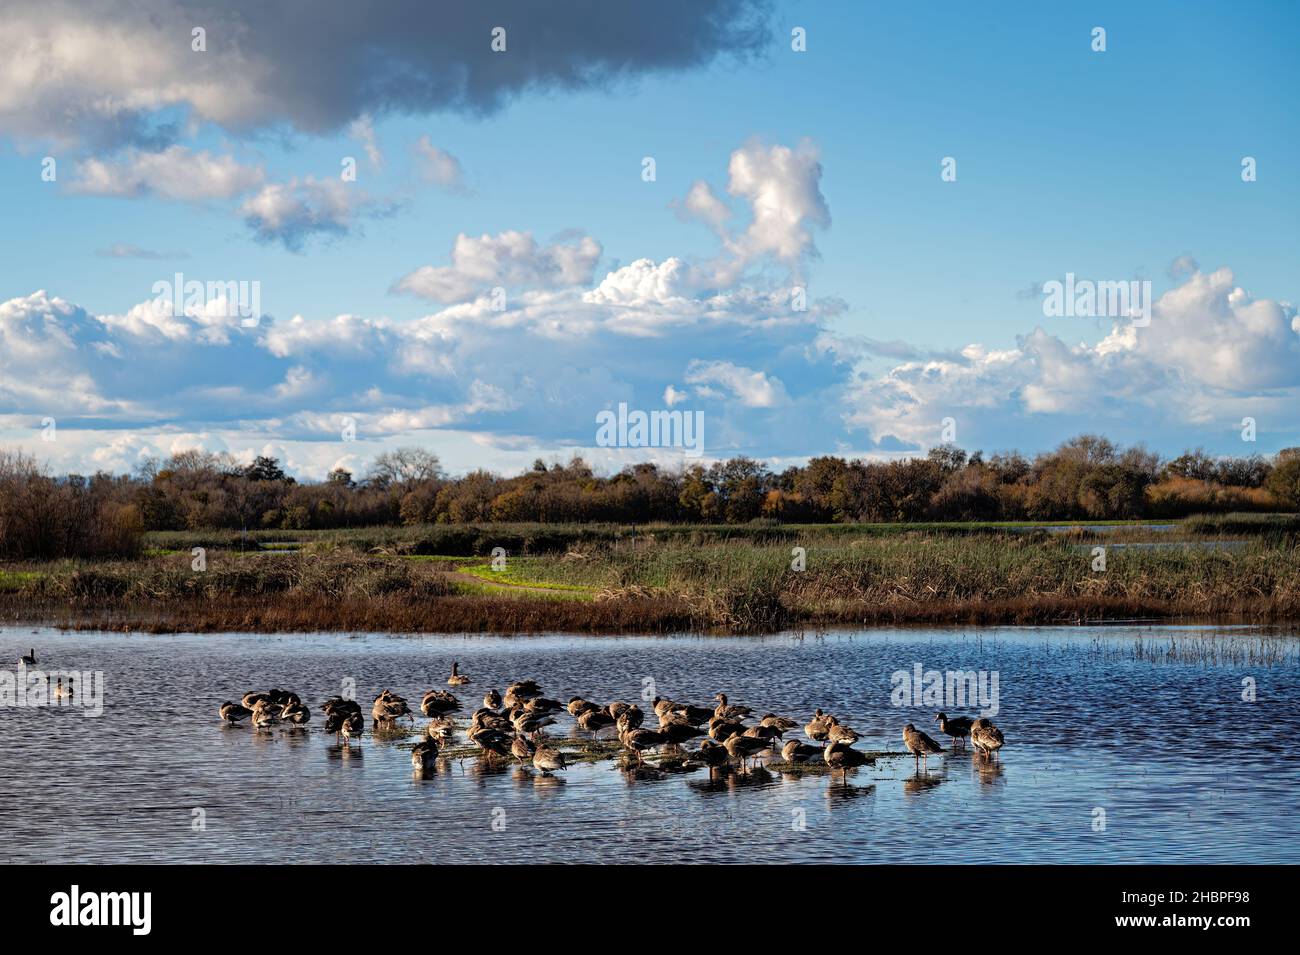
(511, 726)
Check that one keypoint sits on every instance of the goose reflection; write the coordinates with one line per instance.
(920, 782)
(989, 771)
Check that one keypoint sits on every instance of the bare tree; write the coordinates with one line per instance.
(404, 466)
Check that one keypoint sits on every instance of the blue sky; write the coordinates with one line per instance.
(1111, 165)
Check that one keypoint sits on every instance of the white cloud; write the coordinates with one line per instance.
(173, 173)
(752, 388)
(291, 212)
(513, 260)
(439, 166)
(362, 129)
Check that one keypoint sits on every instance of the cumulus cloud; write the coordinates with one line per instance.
(362, 129)
(1211, 353)
(295, 211)
(512, 260)
(781, 186)
(752, 388)
(103, 72)
(176, 172)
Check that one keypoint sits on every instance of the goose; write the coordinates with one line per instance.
(492, 700)
(531, 724)
(548, 760)
(492, 742)
(722, 729)
(818, 727)
(796, 752)
(438, 703)
(662, 705)
(985, 737)
(678, 733)
(728, 710)
(252, 698)
(780, 722)
(577, 706)
(714, 755)
(29, 658)
(744, 747)
(62, 692)
(595, 719)
(334, 723)
(424, 755)
(919, 744)
(265, 714)
(768, 733)
(958, 728)
(457, 678)
(841, 757)
(389, 707)
(641, 739)
(521, 692)
(540, 706)
(488, 719)
(630, 713)
(295, 713)
(522, 748)
(232, 712)
(440, 730)
(838, 733)
(354, 724)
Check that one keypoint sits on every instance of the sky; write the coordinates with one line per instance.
(503, 266)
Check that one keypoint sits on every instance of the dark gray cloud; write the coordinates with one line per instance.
(315, 66)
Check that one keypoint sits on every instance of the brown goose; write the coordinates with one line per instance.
(577, 706)
(440, 730)
(522, 749)
(233, 712)
(439, 703)
(517, 694)
(919, 744)
(839, 733)
(265, 714)
(713, 755)
(492, 742)
(722, 729)
(457, 678)
(728, 710)
(295, 713)
(678, 733)
(628, 713)
(28, 659)
(796, 752)
(818, 727)
(354, 724)
(548, 760)
(744, 748)
(768, 733)
(424, 755)
(253, 697)
(958, 728)
(641, 739)
(492, 700)
(595, 719)
(985, 737)
(841, 757)
(782, 723)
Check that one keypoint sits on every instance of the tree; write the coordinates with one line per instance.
(1284, 482)
(404, 466)
(265, 469)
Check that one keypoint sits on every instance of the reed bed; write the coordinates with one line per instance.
(658, 586)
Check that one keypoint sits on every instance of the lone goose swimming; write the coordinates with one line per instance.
(457, 678)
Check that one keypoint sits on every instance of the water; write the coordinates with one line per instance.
(1184, 769)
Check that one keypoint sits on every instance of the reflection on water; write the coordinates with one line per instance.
(1166, 743)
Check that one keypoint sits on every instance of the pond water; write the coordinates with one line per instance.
(1124, 744)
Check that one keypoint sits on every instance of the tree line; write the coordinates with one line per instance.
(1086, 477)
